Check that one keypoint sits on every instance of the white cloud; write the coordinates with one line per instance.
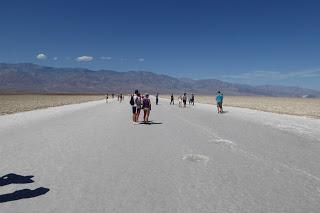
(84, 58)
(141, 59)
(105, 58)
(55, 58)
(41, 56)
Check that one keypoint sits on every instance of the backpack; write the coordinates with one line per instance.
(138, 102)
(131, 101)
(146, 103)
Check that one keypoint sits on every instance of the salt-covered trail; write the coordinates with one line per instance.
(93, 159)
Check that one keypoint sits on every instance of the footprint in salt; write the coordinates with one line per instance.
(196, 158)
(225, 142)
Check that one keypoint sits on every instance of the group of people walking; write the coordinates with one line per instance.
(140, 102)
(182, 100)
(120, 97)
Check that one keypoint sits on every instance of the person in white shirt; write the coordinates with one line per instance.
(134, 106)
(180, 101)
(138, 102)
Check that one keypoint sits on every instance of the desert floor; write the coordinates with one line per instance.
(18, 103)
(282, 105)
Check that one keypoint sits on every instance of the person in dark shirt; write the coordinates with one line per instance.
(184, 100)
(172, 100)
(146, 105)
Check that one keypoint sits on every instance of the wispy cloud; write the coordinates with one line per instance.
(273, 75)
(41, 56)
(106, 58)
(84, 58)
(55, 58)
(141, 59)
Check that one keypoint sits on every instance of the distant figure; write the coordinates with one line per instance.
(184, 99)
(139, 105)
(134, 106)
(146, 104)
(180, 101)
(192, 99)
(172, 99)
(112, 95)
(219, 100)
(107, 97)
(118, 97)
(121, 97)
(157, 98)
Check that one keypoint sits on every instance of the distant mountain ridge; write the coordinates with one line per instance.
(27, 77)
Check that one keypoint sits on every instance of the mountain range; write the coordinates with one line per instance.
(33, 78)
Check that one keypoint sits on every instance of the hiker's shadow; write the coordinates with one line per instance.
(150, 123)
(15, 179)
(19, 194)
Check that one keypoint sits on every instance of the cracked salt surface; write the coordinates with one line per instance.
(307, 127)
(303, 126)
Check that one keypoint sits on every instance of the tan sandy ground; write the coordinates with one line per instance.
(17, 103)
(292, 106)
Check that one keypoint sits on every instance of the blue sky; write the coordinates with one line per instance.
(243, 41)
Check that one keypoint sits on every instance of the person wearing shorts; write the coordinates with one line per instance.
(146, 104)
(219, 100)
(134, 106)
(134, 111)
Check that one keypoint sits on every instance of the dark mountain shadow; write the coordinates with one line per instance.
(22, 194)
(15, 179)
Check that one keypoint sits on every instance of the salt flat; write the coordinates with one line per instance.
(93, 159)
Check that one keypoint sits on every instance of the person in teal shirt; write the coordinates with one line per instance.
(219, 100)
